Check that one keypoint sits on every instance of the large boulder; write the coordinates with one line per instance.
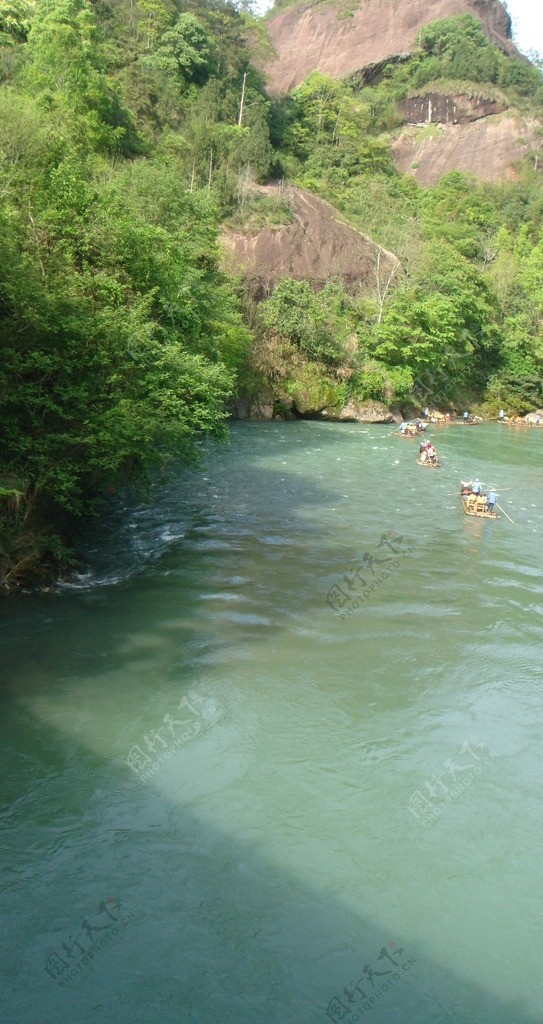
(361, 412)
(262, 409)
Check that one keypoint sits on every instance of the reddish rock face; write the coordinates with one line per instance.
(315, 247)
(316, 37)
(487, 148)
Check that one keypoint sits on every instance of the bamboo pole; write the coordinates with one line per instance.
(505, 514)
(450, 494)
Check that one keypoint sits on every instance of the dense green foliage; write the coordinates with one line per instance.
(128, 132)
(120, 339)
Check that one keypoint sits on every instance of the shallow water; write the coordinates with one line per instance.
(228, 800)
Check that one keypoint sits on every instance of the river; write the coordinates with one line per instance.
(275, 756)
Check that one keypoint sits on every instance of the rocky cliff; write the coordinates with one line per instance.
(487, 147)
(340, 40)
(315, 246)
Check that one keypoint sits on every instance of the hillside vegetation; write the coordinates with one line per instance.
(120, 148)
(461, 321)
(128, 133)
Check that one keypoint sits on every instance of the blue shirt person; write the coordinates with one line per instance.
(491, 499)
(477, 487)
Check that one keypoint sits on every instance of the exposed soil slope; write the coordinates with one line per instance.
(315, 246)
(487, 148)
(339, 40)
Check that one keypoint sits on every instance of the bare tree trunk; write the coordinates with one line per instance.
(240, 118)
(383, 285)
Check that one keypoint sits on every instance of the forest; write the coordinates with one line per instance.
(134, 132)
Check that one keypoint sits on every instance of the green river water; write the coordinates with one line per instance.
(275, 758)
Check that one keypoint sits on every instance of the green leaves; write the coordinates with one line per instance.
(461, 46)
(14, 21)
(66, 71)
(119, 338)
(185, 50)
(308, 320)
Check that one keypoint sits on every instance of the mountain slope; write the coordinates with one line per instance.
(339, 41)
(315, 246)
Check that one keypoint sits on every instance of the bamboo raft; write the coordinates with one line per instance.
(416, 432)
(458, 423)
(476, 505)
(429, 463)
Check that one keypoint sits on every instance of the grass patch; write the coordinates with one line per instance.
(259, 210)
(418, 134)
(456, 87)
(429, 131)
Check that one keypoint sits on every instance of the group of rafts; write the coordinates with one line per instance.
(427, 451)
(475, 501)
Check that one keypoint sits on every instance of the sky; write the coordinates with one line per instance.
(527, 18)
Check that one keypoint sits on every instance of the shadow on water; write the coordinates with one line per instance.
(210, 929)
(132, 535)
(221, 930)
(209, 532)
